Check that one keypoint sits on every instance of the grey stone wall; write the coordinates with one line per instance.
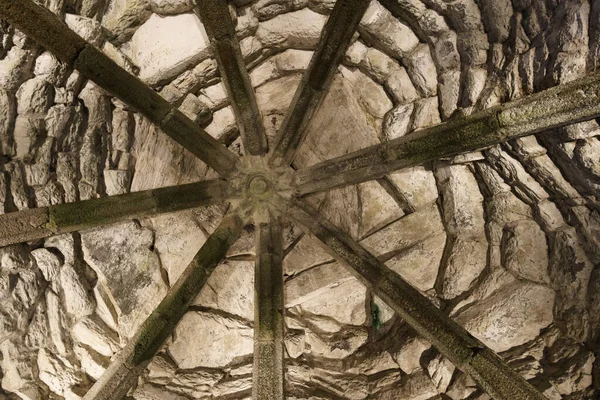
(505, 240)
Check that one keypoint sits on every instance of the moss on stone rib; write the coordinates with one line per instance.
(335, 39)
(107, 210)
(44, 27)
(24, 226)
(498, 379)
(216, 18)
(453, 341)
(221, 30)
(91, 213)
(191, 195)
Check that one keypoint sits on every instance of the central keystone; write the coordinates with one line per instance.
(258, 185)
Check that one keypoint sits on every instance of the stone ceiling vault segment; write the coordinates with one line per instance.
(334, 42)
(217, 19)
(272, 191)
(559, 106)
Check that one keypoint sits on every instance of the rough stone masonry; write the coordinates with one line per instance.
(505, 241)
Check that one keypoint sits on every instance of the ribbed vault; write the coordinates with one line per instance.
(386, 199)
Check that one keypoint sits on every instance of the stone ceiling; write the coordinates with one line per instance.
(504, 240)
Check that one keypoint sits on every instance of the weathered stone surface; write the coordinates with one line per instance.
(58, 373)
(123, 17)
(247, 23)
(398, 121)
(422, 71)
(511, 316)
(14, 68)
(196, 110)
(76, 295)
(177, 239)
(525, 251)
(166, 46)
(307, 253)
(122, 258)
(426, 113)
(50, 69)
(289, 61)
(21, 285)
(356, 54)
(224, 341)
(462, 200)
(417, 184)
(344, 303)
(342, 207)
(433, 60)
(168, 7)
(578, 375)
(475, 79)
(378, 208)
(347, 119)
(274, 99)
(334, 347)
(462, 387)
(149, 392)
(409, 355)
(405, 232)
(371, 96)
(8, 108)
(215, 96)
(223, 123)
(178, 166)
(465, 261)
(299, 30)
(391, 35)
(419, 264)
(267, 9)
(34, 97)
(314, 282)
(48, 263)
(55, 322)
(440, 370)
(91, 363)
(449, 93)
(92, 332)
(586, 154)
(190, 80)
(87, 28)
(400, 86)
(417, 386)
(230, 288)
(379, 65)
(117, 181)
(251, 48)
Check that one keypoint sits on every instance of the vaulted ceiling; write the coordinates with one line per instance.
(430, 194)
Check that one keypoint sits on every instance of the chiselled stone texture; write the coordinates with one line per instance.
(505, 240)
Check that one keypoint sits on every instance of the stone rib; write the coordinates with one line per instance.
(335, 39)
(559, 106)
(234, 75)
(38, 223)
(268, 313)
(453, 341)
(123, 372)
(45, 28)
